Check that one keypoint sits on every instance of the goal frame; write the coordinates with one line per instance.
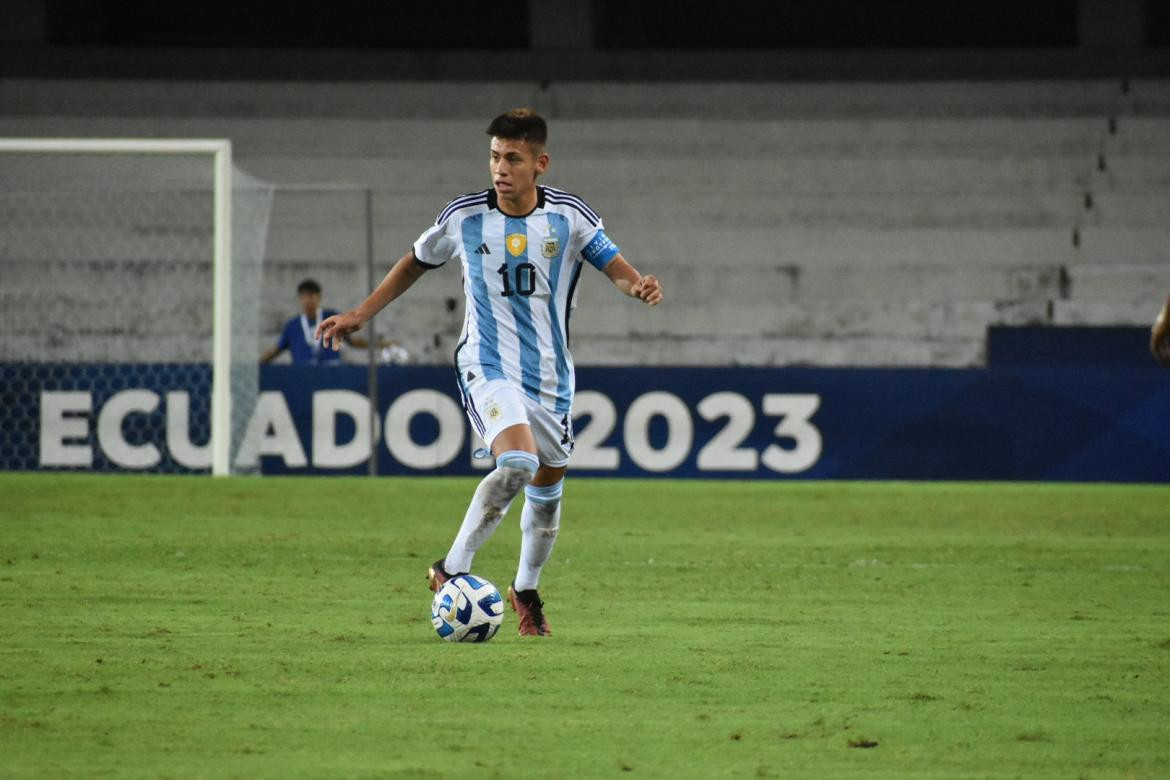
(220, 150)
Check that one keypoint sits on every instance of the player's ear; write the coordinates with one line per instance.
(542, 161)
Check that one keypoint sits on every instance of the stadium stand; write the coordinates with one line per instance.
(791, 223)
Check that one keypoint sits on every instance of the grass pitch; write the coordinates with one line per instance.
(185, 627)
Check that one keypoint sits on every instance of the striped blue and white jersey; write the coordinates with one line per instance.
(520, 279)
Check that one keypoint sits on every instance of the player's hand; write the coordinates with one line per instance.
(333, 330)
(648, 289)
(1160, 336)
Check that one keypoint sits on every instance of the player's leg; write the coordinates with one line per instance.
(540, 522)
(510, 438)
(540, 519)
(515, 468)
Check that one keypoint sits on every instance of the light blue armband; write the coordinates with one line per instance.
(600, 250)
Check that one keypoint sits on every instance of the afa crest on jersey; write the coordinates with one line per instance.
(517, 243)
(550, 247)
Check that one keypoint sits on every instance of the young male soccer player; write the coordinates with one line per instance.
(522, 246)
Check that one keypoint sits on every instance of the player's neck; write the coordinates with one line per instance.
(520, 206)
(310, 313)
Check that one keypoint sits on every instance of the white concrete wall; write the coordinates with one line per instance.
(826, 224)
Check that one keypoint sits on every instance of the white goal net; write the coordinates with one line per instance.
(129, 299)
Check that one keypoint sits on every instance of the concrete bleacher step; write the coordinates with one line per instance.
(1150, 97)
(648, 138)
(1145, 208)
(118, 244)
(1117, 246)
(840, 137)
(1126, 284)
(112, 347)
(559, 100)
(818, 100)
(274, 137)
(741, 351)
(708, 283)
(1137, 171)
(151, 98)
(839, 246)
(645, 350)
(692, 210)
(855, 175)
(1110, 312)
(456, 176)
(1138, 135)
(808, 319)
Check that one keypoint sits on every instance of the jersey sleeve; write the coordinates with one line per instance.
(596, 247)
(436, 245)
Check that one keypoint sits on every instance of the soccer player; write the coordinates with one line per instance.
(522, 247)
(1160, 336)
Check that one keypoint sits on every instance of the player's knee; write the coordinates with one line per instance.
(516, 469)
(545, 500)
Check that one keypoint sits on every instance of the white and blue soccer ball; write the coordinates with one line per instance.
(467, 609)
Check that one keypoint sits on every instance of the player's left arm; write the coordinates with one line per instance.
(627, 279)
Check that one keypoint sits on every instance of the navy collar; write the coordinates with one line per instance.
(493, 202)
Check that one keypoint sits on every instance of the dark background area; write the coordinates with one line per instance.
(587, 39)
(836, 24)
(613, 24)
(451, 24)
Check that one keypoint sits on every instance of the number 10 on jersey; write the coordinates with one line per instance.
(518, 280)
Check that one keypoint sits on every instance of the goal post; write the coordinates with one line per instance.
(226, 366)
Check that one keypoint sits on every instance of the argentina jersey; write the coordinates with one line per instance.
(520, 280)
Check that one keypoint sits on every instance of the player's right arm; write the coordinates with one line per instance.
(432, 249)
(1160, 336)
(333, 330)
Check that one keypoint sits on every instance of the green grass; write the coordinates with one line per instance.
(185, 627)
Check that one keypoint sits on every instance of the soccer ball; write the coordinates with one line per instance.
(467, 609)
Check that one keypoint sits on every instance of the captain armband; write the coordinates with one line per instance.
(600, 250)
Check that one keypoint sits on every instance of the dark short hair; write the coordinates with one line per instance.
(520, 124)
(309, 286)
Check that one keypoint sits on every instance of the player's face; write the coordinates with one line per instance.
(309, 302)
(515, 166)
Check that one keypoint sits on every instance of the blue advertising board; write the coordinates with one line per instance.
(1011, 422)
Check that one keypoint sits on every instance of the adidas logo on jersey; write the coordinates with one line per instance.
(483, 250)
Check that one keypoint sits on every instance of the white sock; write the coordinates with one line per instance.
(514, 469)
(539, 524)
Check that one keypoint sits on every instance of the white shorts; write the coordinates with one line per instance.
(493, 405)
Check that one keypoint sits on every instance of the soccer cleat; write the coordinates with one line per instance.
(530, 609)
(437, 575)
